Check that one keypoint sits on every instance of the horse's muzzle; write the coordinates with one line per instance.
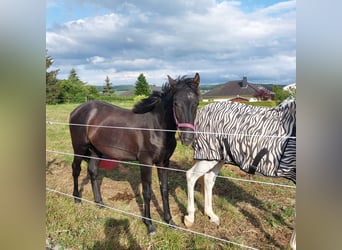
(187, 137)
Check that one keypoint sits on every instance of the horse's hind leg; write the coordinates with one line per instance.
(146, 180)
(76, 170)
(93, 172)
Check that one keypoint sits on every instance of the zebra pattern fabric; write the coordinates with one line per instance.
(287, 165)
(249, 130)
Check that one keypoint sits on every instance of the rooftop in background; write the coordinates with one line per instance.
(233, 89)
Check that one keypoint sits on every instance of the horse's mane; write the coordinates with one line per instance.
(147, 104)
(180, 83)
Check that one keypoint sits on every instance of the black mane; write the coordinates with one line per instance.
(181, 83)
(147, 104)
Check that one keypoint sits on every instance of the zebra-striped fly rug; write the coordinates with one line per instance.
(245, 135)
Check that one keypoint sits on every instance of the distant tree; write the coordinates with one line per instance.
(279, 94)
(108, 88)
(263, 94)
(92, 92)
(52, 88)
(73, 77)
(71, 92)
(73, 89)
(141, 86)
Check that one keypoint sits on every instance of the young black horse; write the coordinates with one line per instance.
(152, 142)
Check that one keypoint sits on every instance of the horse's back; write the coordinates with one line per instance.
(89, 114)
(86, 111)
(99, 113)
(107, 128)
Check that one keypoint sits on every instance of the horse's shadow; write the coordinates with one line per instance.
(114, 229)
(235, 194)
(129, 173)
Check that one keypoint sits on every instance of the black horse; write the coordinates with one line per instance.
(107, 131)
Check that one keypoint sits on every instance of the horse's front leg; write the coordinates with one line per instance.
(209, 181)
(146, 179)
(164, 190)
(192, 175)
(93, 172)
(293, 238)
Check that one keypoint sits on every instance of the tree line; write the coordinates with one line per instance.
(74, 90)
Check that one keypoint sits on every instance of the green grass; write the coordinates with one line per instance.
(256, 215)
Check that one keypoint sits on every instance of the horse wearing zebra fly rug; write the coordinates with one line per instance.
(257, 139)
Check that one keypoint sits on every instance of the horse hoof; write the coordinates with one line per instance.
(77, 200)
(172, 224)
(216, 222)
(187, 222)
(151, 230)
(100, 204)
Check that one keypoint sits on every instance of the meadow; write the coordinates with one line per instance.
(252, 214)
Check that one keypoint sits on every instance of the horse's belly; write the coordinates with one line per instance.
(129, 145)
(122, 151)
(115, 147)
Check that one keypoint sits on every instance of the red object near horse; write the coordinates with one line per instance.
(108, 164)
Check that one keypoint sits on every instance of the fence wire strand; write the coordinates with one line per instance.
(172, 169)
(166, 130)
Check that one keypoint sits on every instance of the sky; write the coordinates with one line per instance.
(221, 40)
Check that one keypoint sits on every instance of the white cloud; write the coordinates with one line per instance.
(216, 39)
(96, 59)
(279, 7)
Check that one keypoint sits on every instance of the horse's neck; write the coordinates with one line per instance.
(164, 114)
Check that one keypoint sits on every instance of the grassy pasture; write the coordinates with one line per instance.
(255, 215)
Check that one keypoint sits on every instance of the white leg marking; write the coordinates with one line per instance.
(209, 181)
(293, 238)
(192, 175)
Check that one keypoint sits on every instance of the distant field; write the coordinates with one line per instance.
(256, 215)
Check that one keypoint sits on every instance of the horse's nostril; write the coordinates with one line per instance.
(187, 140)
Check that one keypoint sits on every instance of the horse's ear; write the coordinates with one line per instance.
(171, 81)
(196, 79)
